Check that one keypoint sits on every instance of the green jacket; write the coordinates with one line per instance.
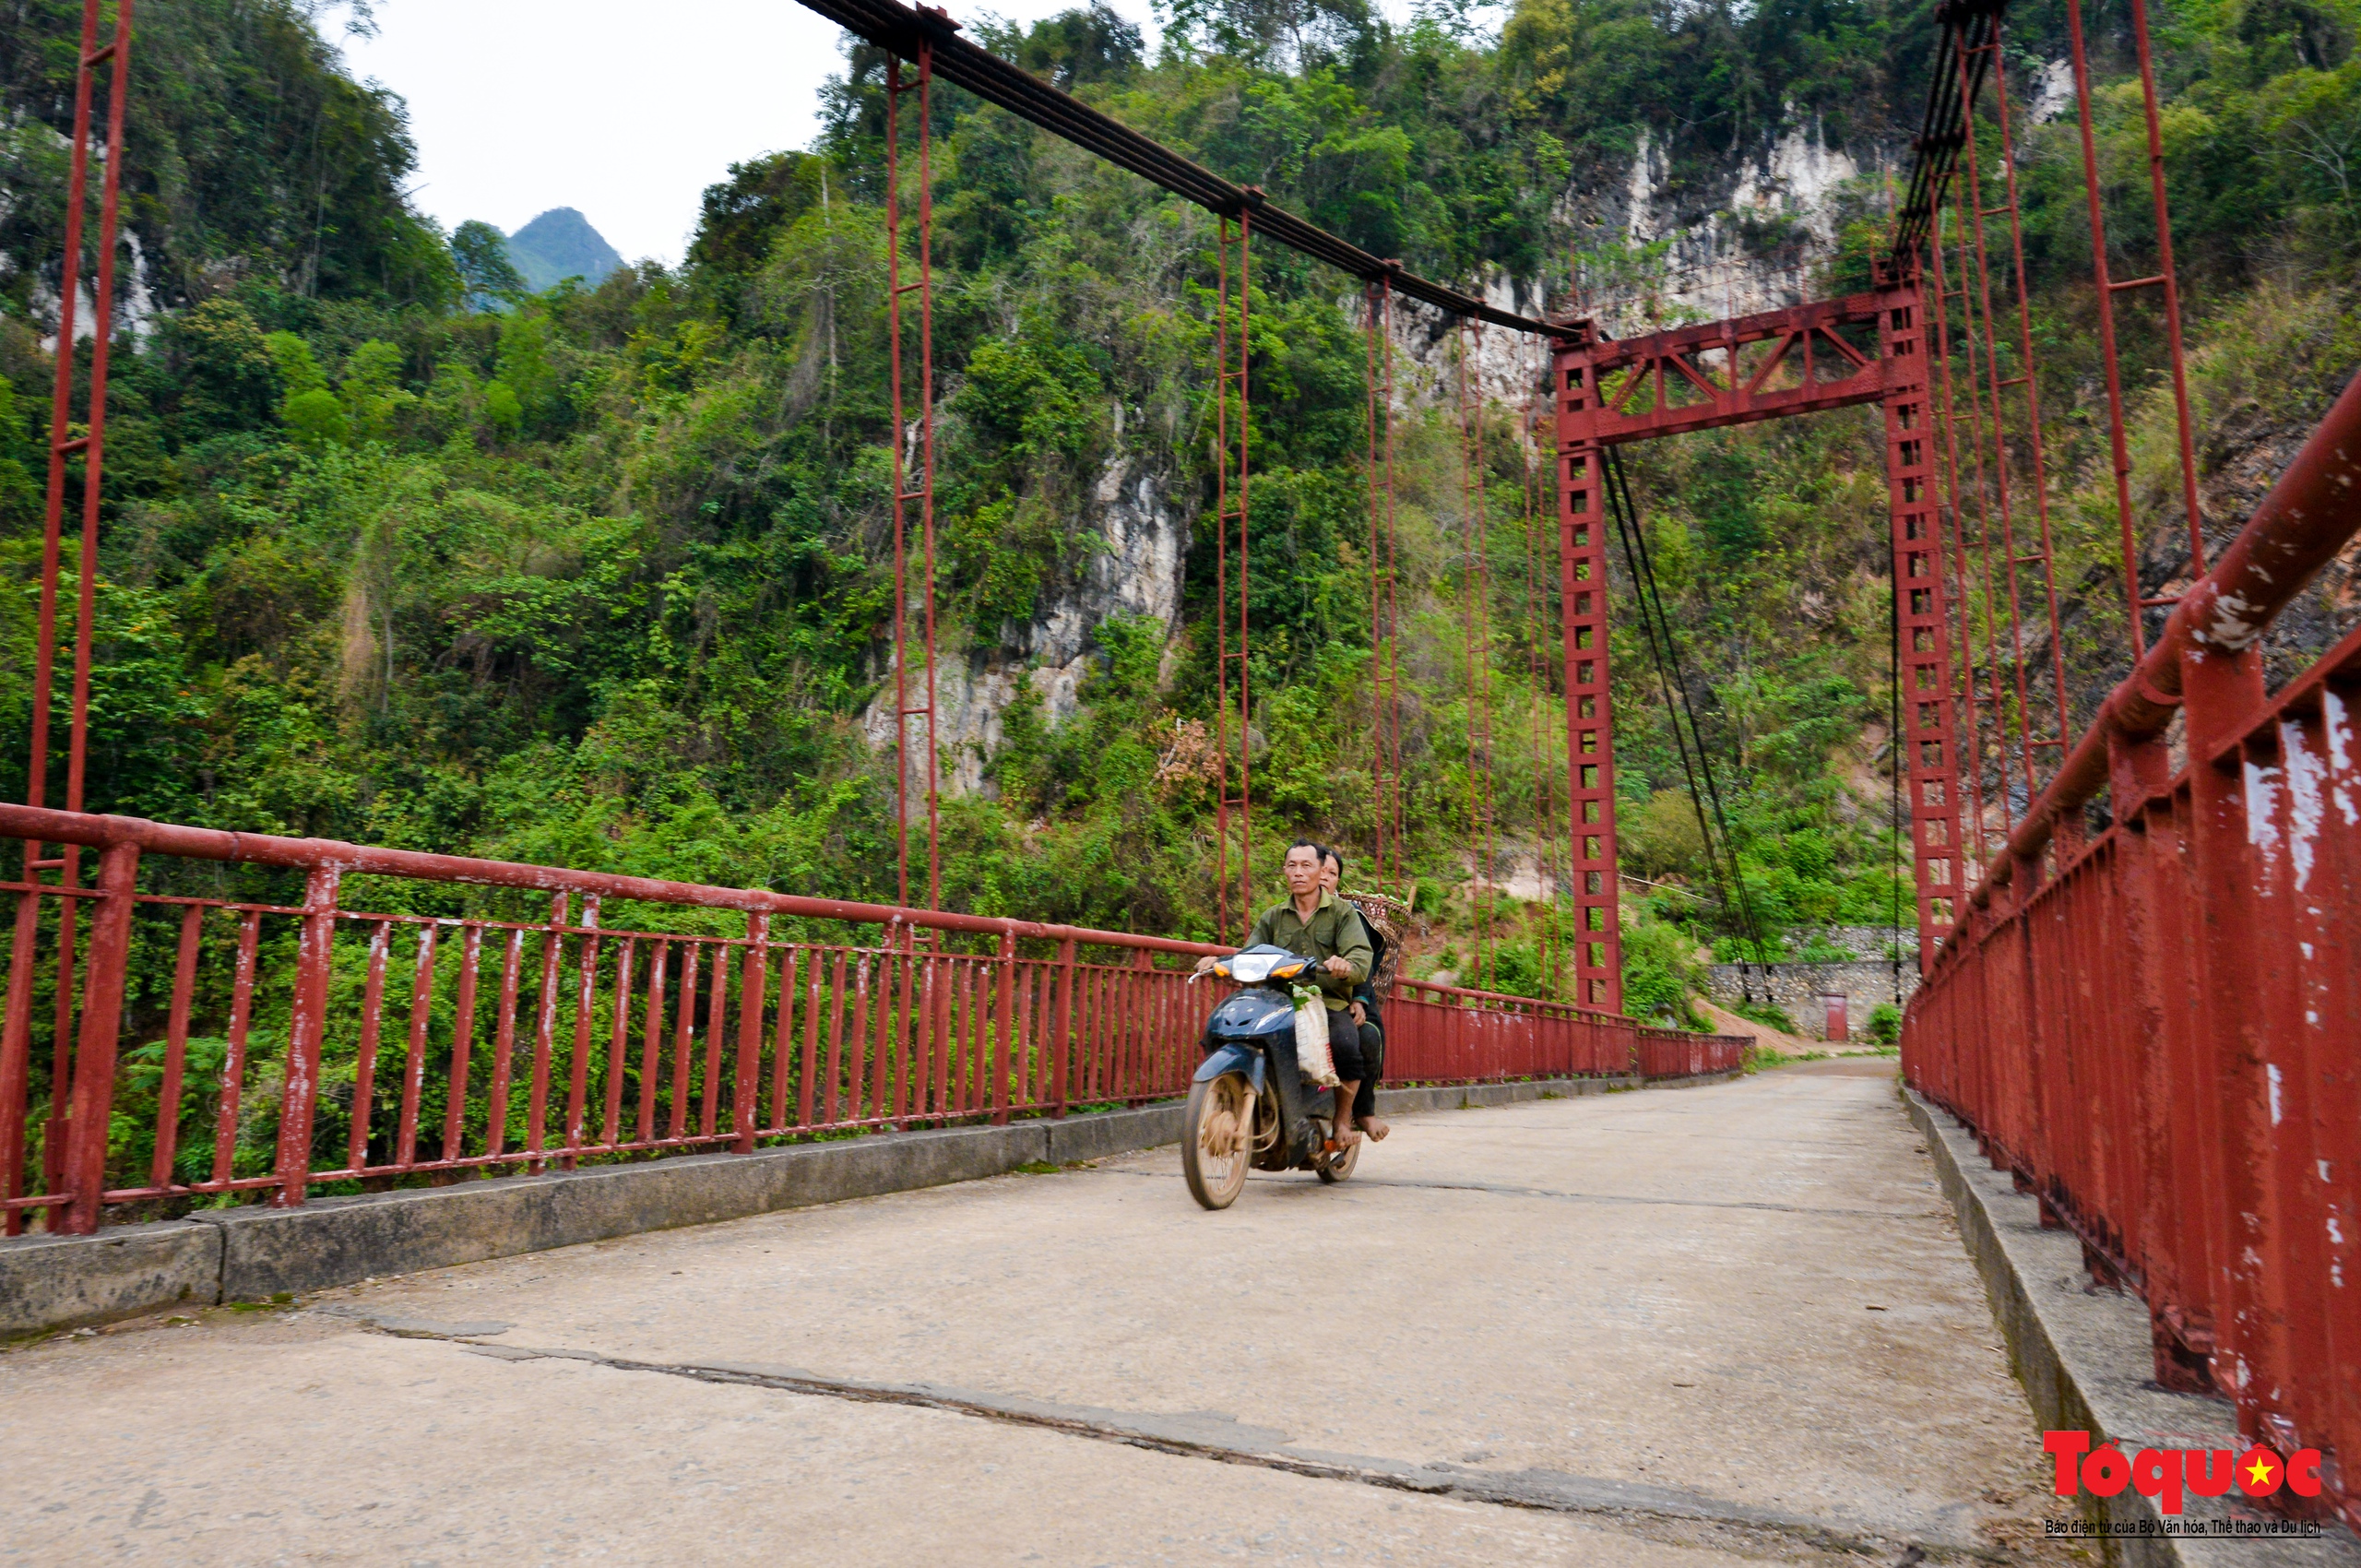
(1334, 930)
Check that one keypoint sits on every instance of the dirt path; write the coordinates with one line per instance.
(1668, 1327)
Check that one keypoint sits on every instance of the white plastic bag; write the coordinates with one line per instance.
(1311, 1055)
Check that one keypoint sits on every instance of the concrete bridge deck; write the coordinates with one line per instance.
(1729, 1322)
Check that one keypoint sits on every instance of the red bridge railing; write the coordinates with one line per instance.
(1452, 1034)
(210, 1048)
(1670, 1053)
(2158, 1029)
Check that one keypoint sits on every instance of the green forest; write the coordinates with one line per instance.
(395, 551)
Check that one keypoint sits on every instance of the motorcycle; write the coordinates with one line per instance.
(1249, 1105)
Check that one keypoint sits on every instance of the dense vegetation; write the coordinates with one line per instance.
(397, 551)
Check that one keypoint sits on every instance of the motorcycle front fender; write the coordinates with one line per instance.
(1236, 1056)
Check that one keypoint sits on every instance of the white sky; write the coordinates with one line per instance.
(623, 110)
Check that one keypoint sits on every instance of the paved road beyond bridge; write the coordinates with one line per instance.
(1669, 1328)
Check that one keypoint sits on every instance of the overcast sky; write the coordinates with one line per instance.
(624, 110)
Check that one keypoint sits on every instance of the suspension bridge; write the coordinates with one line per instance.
(2132, 1034)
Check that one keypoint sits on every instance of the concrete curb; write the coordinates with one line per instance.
(1466, 1096)
(49, 1282)
(2083, 1356)
(1699, 1082)
(333, 1241)
(250, 1254)
(1113, 1132)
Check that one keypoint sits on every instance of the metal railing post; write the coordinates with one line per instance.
(307, 1027)
(86, 1123)
(585, 1003)
(751, 991)
(1003, 1057)
(1061, 1039)
(2164, 1092)
(16, 1056)
(537, 1108)
(364, 1069)
(168, 1098)
(2222, 692)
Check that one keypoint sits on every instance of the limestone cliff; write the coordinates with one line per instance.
(1139, 530)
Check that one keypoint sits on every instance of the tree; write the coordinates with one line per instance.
(739, 217)
(1086, 44)
(485, 271)
(1298, 35)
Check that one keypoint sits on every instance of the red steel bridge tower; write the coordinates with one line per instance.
(1869, 348)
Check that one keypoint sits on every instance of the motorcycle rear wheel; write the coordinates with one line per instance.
(1217, 1139)
(1337, 1166)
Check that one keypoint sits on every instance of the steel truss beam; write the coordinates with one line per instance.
(1664, 384)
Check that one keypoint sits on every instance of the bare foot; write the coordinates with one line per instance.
(1376, 1127)
(1346, 1137)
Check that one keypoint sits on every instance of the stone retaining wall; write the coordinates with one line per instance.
(1796, 989)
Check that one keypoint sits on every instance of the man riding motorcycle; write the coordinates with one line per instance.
(1316, 923)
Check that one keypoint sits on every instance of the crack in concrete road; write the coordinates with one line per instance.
(418, 1328)
(1504, 1190)
(1206, 1435)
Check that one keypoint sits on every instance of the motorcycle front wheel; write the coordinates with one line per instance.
(1217, 1139)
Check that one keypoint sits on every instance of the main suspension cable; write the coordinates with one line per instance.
(900, 29)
